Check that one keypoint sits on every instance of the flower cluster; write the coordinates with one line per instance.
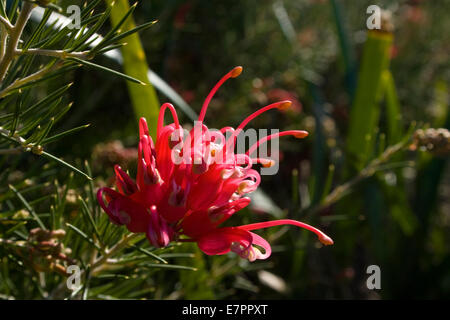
(190, 200)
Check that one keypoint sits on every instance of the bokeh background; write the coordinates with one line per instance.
(311, 52)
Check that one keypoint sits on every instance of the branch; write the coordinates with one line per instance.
(33, 77)
(13, 138)
(62, 54)
(3, 41)
(6, 23)
(7, 134)
(14, 36)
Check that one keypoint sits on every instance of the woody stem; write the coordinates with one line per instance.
(14, 35)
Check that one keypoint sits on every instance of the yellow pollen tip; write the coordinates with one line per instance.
(268, 164)
(236, 72)
(301, 134)
(285, 105)
(326, 240)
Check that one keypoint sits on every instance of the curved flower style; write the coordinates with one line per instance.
(190, 200)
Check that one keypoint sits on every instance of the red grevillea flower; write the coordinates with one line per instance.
(190, 200)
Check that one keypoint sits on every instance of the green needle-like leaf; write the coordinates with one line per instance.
(168, 266)
(150, 254)
(102, 68)
(366, 108)
(62, 162)
(28, 207)
(63, 134)
(84, 236)
(88, 214)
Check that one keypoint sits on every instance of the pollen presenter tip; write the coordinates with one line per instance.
(326, 240)
(268, 164)
(301, 134)
(236, 72)
(285, 105)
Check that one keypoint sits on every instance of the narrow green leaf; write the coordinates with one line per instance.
(131, 31)
(81, 42)
(13, 10)
(16, 227)
(113, 31)
(111, 47)
(150, 254)
(178, 255)
(117, 73)
(62, 162)
(63, 134)
(28, 207)
(113, 276)
(84, 236)
(3, 8)
(47, 100)
(89, 7)
(62, 204)
(63, 112)
(88, 214)
(45, 131)
(36, 119)
(168, 266)
(16, 117)
(91, 194)
(38, 31)
(366, 109)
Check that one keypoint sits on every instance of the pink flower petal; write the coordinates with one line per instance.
(219, 241)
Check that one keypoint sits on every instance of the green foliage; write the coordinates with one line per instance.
(37, 61)
(67, 215)
(365, 110)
